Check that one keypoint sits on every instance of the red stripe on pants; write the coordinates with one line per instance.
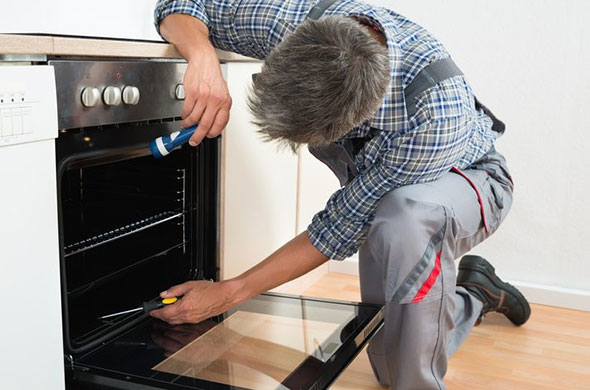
(430, 281)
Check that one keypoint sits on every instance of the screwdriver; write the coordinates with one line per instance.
(146, 307)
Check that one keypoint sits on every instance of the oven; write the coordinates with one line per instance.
(131, 225)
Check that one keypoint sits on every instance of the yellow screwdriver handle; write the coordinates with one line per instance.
(158, 304)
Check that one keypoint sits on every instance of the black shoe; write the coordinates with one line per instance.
(478, 277)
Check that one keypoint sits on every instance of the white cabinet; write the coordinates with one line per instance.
(31, 331)
(268, 194)
(316, 184)
(259, 185)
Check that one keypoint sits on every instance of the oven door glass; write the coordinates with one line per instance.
(269, 342)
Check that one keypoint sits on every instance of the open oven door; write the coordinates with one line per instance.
(269, 342)
(131, 226)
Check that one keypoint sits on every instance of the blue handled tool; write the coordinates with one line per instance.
(162, 146)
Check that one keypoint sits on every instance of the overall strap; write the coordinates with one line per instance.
(435, 73)
(318, 10)
(428, 77)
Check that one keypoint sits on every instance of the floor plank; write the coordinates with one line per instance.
(551, 352)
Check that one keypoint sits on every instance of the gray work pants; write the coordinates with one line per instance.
(407, 264)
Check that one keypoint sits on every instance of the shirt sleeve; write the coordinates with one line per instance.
(194, 8)
(339, 229)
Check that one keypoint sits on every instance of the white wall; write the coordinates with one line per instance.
(131, 19)
(529, 61)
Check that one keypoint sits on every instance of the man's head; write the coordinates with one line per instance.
(325, 78)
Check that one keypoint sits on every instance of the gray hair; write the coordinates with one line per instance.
(322, 80)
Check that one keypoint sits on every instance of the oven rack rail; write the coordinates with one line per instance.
(120, 232)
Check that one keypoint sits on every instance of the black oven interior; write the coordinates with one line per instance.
(130, 225)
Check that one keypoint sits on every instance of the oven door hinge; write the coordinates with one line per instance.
(71, 365)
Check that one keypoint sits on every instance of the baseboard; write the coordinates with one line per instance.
(554, 296)
(535, 293)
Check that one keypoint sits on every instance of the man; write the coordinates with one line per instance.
(379, 100)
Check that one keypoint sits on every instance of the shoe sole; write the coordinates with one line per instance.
(479, 264)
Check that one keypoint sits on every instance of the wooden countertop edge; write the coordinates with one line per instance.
(25, 44)
(88, 47)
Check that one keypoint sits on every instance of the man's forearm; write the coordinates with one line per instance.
(292, 260)
(203, 299)
(189, 35)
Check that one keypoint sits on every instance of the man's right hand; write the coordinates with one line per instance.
(207, 100)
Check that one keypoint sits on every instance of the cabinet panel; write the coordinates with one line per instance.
(316, 184)
(259, 185)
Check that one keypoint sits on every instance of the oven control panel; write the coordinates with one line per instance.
(99, 93)
(104, 93)
(28, 107)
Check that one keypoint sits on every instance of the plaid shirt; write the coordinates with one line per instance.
(445, 131)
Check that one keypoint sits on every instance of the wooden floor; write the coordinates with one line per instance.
(550, 352)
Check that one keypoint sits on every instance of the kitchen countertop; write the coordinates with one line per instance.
(17, 45)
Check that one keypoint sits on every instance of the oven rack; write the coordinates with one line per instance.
(77, 291)
(122, 231)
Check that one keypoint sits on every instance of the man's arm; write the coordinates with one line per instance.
(203, 300)
(207, 98)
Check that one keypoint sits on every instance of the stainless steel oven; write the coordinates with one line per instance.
(131, 226)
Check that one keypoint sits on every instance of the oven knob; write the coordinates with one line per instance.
(130, 95)
(111, 96)
(90, 96)
(179, 93)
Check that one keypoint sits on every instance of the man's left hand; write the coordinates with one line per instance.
(201, 300)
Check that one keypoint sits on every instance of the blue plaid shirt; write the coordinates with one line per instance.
(445, 131)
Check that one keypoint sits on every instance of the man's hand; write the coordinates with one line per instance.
(201, 300)
(207, 98)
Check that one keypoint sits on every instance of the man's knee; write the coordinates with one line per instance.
(403, 218)
(404, 239)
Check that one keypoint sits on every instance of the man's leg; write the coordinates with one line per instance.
(407, 263)
(467, 311)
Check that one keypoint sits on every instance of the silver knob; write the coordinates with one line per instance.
(130, 95)
(111, 96)
(90, 96)
(179, 93)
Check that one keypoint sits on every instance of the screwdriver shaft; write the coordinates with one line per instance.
(121, 313)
